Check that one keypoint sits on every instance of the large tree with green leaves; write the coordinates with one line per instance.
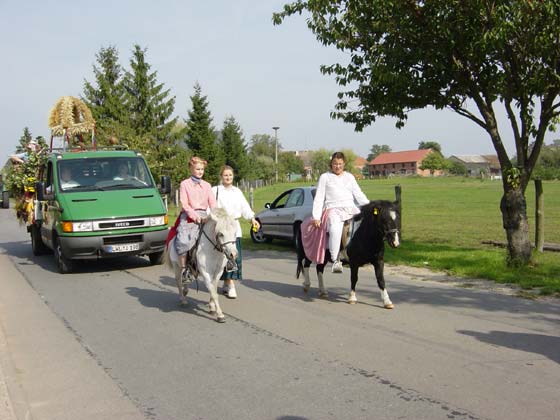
(434, 145)
(105, 97)
(376, 150)
(468, 56)
(149, 105)
(233, 146)
(201, 137)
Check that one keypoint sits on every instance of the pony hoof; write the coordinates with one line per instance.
(388, 306)
(184, 302)
(305, 288)
(221, 319)
(324, 295)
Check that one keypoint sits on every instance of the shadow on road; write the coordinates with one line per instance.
(546, 345)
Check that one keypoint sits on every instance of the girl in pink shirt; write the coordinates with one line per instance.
(196, 199)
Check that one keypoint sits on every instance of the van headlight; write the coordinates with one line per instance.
(77, 226)
(158, 220)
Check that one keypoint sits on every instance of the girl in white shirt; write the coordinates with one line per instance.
(338, 191)
(233, 201)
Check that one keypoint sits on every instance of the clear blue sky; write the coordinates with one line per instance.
(263, 75)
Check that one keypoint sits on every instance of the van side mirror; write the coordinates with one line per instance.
(40, 190)
(165, 187)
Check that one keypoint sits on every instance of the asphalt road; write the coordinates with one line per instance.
(111, 341)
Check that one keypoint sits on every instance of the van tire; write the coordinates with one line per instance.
(37, 245)
(5, 199)
(64, 264)
(156, 258)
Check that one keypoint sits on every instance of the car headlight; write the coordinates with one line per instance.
(77, 226)
(158, 220)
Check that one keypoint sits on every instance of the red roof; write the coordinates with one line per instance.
(359, 162)
(399, 157)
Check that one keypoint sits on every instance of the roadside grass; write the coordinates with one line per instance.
(444, 221)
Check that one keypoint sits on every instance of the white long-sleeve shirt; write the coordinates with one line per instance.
(232, 200)
(337, 191)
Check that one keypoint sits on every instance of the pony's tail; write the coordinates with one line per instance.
(167, 259)
(300, 257)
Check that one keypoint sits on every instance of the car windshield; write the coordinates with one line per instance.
(109, 173)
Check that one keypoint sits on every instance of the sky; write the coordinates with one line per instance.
(262, 75)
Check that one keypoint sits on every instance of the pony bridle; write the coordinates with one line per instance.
(219, 245)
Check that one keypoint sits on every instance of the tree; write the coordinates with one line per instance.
(200, 135)
(148, 104)
(264, 144)
(376, 150)
(233, 146)
(320, 162)
(434, 145)
(289, 163)
(106, 98)
(456, 168)
(434, 161)
(24, 140)
(471, 57)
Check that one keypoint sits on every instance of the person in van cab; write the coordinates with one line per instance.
(66, 180)
(122, 172)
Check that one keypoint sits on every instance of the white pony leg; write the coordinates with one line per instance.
(322, 291)
(387, 304)
(214, 303)
(306, 281)
(352, 299)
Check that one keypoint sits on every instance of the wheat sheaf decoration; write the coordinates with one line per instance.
(70, 115)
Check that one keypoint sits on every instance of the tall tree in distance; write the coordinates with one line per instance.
(473, 58)
(434, 145)
(105, 97)
(233, 146)
(149, 105)
(376, 150)
(24, 140)
(200, 136)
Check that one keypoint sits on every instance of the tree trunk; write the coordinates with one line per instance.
(516, 225)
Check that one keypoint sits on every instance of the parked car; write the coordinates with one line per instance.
(281, 218)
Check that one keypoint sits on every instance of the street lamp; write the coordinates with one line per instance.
(276, 152)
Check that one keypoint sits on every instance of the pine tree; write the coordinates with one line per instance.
(24, 141)
(233, 146)
(200, 136)
(106, 98)
(148, 104)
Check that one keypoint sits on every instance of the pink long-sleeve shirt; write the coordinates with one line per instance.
(196, 196)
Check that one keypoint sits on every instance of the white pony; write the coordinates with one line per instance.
(214, 248)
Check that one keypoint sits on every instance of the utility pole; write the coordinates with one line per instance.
(276, 152)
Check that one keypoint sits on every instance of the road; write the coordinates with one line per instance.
(111, 341)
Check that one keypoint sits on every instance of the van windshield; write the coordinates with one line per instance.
(108, 173)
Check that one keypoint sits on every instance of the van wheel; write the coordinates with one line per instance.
(64, 264)
(5, 199)
(156, 258)
(37, 244)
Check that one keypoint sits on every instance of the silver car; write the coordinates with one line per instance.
(281, 218)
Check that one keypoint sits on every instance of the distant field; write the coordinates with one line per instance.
(446, 219)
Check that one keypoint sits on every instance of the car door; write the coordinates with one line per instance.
(288, 214)
(271, 219)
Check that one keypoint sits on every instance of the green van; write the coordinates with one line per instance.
(96, 204)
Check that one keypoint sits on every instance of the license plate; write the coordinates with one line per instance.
(123, 248)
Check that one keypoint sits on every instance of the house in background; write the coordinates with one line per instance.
(407, 162)
(479, 165)
(359, 164)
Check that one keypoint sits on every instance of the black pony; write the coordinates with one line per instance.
(376, 222)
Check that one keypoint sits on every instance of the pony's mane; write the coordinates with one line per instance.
(382, 206)
(224, 221)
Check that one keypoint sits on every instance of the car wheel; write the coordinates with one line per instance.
(156, 258)
(258, 237)
(37, 245)
(64, 264)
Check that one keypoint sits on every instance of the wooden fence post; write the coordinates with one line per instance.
(251, 191)
(399, 206)
(539, 216)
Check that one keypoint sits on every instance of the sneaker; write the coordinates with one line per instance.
(337, 267)
(231, 293)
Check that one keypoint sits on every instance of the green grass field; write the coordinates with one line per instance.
(445, 220)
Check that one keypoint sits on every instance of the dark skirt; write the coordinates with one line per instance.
(237, 274)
